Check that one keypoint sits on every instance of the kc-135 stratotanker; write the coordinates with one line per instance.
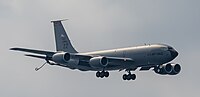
(155, 56)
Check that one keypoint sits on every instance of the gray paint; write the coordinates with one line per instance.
(26, 24)
(141, 55)
(148, 55)
(61, 38)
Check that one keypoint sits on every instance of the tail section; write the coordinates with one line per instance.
(62, 40)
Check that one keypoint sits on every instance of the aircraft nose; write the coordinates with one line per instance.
(174, 53)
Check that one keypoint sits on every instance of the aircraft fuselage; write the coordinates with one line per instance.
(147, 55)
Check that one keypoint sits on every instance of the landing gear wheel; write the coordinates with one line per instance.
(98, 74)
(129, 76)
(133, 76)
(106, 74)
(124, 77)
(102, 74)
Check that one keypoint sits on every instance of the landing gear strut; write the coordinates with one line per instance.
(102, 74)
(129, 76)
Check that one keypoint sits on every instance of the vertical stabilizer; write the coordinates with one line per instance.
(62, 40)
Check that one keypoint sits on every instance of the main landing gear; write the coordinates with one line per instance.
(129, 76)
(102, 74)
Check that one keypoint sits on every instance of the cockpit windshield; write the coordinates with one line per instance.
(170, 48)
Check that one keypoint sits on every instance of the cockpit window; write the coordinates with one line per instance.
(170, 48)
(164, 48)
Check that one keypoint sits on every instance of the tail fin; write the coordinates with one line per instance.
(62, 40)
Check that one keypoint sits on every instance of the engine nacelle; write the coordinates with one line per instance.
(98, 62)
(164, 69)
(61, 57)
(171, 69)
(176, 69)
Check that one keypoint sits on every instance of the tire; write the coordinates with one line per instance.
(133, 76)
(106, 74)
(124, 77)
(98, 74)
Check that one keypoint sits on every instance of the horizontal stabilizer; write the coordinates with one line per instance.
(59, 20)
(36, 56)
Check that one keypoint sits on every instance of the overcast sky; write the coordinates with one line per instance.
(97, 25)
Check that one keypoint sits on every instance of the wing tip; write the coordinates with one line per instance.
(13, 48)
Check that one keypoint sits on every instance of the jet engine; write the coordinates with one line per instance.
(61, 57)
(98, 62)
(65, 59)
(171, 69)
(176, 69)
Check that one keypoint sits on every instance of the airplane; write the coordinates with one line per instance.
(152, 56)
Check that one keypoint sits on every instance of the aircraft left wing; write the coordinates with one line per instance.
(41, 54)
(47, 53)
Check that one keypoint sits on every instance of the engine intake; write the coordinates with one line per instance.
(66, 56)
(98, 62)
(167, 68)
(176, 69)
(61, 57)
(171, 69)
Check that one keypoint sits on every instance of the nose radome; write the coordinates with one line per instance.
(174, 53)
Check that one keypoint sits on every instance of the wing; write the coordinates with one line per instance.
(41, 52)
(144, 68)
(118, 60)
(113, 63)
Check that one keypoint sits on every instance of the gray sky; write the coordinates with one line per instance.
(97, 25)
